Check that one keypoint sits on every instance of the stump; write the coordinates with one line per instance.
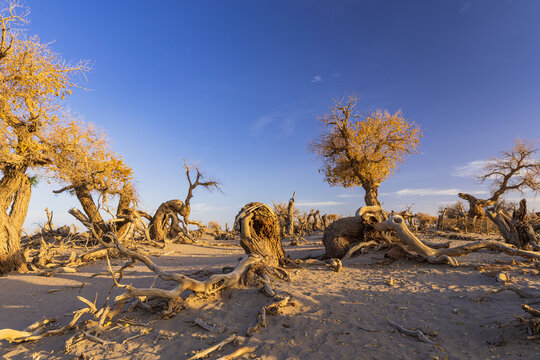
(340, 235)
(516, 229)
(259, 232)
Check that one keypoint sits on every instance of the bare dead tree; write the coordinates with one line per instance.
(199, 181)
(166, 222)
(290, 215)
(413, 247)
(513, 170)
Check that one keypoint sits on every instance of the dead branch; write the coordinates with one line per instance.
(239, 352)
(414, 333)
(203, 353)
(209, 327)
(268, 309)
(446, 255)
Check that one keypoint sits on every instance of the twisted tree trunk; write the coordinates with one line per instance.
(168, 211)
(340, 235)
(477, 206)
(516, 229)
(259, 232)
(371, 197)
(15, 192)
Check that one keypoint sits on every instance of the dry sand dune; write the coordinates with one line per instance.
(337, 315)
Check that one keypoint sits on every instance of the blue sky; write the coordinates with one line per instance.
(236, 86)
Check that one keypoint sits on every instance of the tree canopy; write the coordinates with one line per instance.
(363, 150)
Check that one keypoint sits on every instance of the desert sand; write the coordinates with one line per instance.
(336, 315)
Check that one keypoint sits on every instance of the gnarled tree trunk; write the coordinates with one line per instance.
(90, 209)
(167, 212)
(15, 192)
(259, 232)
(516, 229)
(371, 197)
(340, 235)
(476, 206)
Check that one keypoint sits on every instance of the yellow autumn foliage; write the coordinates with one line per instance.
(82, 158)
(33, 82)
(363, 150)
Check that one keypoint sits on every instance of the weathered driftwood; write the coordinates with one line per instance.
(165, 222)
(259, 232)
(38, 330)
(203, 353)
(516, 228)
(239, 352)
(446, 255)
(212, 285)
(343, 233)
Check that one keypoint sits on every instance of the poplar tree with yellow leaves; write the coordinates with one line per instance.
(84, 163)
(363, 150)
(33, 81)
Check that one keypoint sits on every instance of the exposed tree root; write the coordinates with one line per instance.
(272, 309)
(239, 352)
(446, 255)
(209, 327)
(203, 353)
(39, 330)
(414, 333)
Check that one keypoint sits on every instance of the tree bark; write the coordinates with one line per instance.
(343, 233)
(15, 192)
(476, 206)
(126, 198)
(158, 224)
(259, 232)
(290, 216)
(516, 229)
(90, 209)
(371, 197)
(446, 255)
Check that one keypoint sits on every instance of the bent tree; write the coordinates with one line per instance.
(165, 224)
(513, 170)
(33, 81)
(84, 164)
(359, 150)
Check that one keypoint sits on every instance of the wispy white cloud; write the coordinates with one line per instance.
(258, 125)
(284, 121)
(318, 203)
(431, 192)
(470, 169)
(349, 196)
(316, 79)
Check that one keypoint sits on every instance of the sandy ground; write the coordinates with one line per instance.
(341, 315)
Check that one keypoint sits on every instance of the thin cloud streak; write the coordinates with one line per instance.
(284, 121)
(316, 79)
(471, 169)
(432, 192)
(350, 196)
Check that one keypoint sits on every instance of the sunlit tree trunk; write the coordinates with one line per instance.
(290, 216)
(15, 192)
(371, 197)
